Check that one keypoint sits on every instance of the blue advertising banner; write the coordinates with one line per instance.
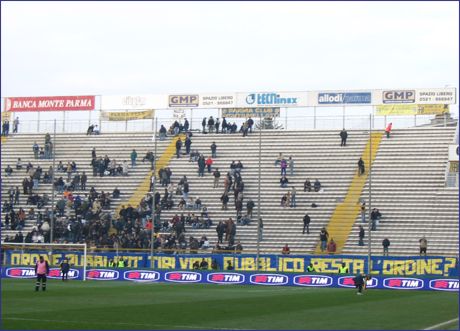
(246, 278)
(325, 264)
(343, 98)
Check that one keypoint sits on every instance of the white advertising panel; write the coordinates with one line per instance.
(272, 99)
(218, 100)
(432, 96)
(138, 102)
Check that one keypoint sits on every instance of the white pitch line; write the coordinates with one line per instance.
(121, 323)
(441, 324)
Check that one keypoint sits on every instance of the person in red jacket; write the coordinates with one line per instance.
(41, 270)
(209, 164)
(331, 247)
(388, 129)
(286, 250)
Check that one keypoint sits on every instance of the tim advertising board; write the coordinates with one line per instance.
(58, 103)
(344, 98)
(272, 99)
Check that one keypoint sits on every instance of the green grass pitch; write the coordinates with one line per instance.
(126, 305)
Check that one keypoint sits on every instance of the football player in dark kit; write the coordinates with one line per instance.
(65, 267)
(360, 282)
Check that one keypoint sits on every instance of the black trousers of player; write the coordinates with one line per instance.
(65, 275)
(42, 279)
(360, 288)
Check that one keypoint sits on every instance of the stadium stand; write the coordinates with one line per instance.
(407, 183)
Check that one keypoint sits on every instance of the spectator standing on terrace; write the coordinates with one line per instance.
(178, 147)
(363, 212)
(250, 124)
(307, 185)
(343, 135)
(162, 132)
(317, 185)
(283, 165)
(5, 128)
(224, 125)
(306, 224)
(217, 125)
(423, 245)
(278, 160)
(187, 143)
(224, 198)
(284, 181)
(35, 149)
(133, 158)
(201, 166)
(211, 124)
(250, 206)
(186, 125)
(203, 124)
(209, 164)
(388, 129)
(216, 175)
(291, 165)
(385, 244)
(16, 125)
(361, 168)
(323, 237)
(361, 236)
(8, 170)
(214, 150)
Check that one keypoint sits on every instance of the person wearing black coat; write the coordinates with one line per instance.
(359, 283)
(343, 135)
(178, 147)
(306, 224)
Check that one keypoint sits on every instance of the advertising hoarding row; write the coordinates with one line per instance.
(380, 265)
(230, 277)
(253, 99)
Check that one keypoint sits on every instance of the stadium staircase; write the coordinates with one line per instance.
(407, 183)
(343, 218)
(77, 147)
(408, 188)
(144, 186)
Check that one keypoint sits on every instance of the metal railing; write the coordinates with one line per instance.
(321, 122)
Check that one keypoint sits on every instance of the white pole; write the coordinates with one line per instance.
(84, 263)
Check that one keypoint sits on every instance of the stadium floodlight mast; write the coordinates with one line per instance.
(369, 244)
(153, 183)
(53, 151)
(258, 196)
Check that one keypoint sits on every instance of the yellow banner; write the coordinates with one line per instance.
(127, 116)
(432, 109)
(251, 112)
(411, 109)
